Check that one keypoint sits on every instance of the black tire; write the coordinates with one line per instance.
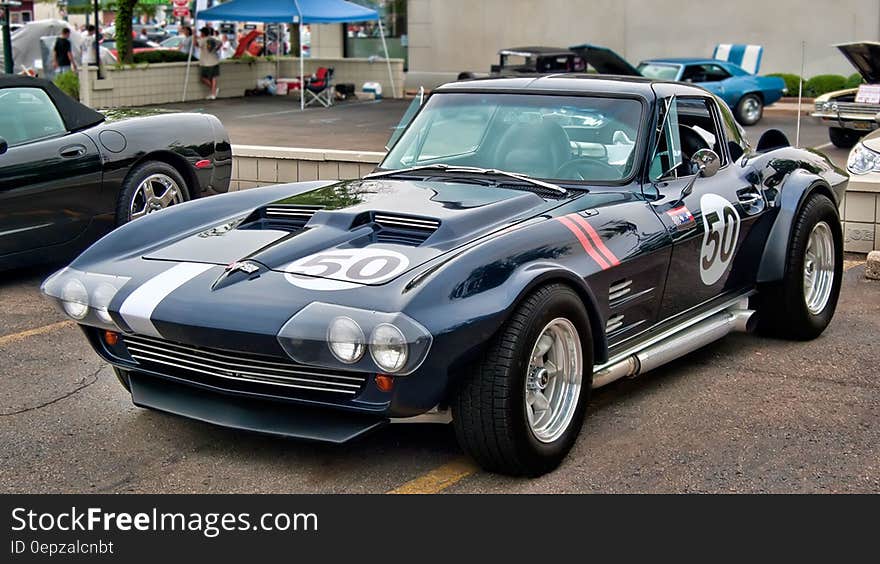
(781, 307)
(843, 138)
(488, 410)
(744, 113)
(137, 175)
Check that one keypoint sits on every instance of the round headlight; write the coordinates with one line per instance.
(388, 347)
(101, 301)
(346, 340)
(75, 299)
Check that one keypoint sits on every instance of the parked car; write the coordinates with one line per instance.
(524, 60)
(137, 46)
(848, 115)
(69, 174)
(524, 241)
(746, 94)
(863, 165)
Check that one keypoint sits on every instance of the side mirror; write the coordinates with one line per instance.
(3, 145)
(707, 162)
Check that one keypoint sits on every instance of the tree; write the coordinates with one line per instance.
(124, 13)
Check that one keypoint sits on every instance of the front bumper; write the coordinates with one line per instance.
(249, 414)
(853, 122)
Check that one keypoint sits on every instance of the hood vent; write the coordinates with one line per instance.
(404, 230)
(287, 218)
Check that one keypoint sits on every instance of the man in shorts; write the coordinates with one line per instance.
(209, 60)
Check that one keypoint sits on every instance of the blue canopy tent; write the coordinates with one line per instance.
(299, 12)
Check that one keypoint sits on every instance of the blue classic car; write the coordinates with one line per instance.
(746, 93)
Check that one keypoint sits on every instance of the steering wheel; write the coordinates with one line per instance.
(585, 168)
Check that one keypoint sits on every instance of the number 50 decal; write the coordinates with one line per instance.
(721, 226)
(343, 270)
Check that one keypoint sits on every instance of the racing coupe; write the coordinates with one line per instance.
(70, 174)
(524, 241)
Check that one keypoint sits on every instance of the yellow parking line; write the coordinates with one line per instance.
(438, 479)
(13, 337)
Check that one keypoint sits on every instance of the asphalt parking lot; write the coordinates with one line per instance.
(743, 415)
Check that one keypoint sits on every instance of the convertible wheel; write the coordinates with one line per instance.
(150, 187)
(802, 304)
(520, 409)
(749, 109)
(843, 138)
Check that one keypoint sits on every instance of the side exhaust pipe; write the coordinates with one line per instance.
(677, 345)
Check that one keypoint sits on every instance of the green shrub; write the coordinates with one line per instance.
(792, 82)
(68, 82)
(853, 81)
(160, 56)
(822, 84)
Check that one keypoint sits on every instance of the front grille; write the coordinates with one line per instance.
(848, 108)
(239, 371)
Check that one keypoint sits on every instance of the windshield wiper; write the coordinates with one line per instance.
(472, 169)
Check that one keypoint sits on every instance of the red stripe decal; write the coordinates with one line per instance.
(585, 243)
(597, 240)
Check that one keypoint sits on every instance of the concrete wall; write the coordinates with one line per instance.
(326, 41)
(449, 36)
(163, 83)
(860, 211)
(255, 165)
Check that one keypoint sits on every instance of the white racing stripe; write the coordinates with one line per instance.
(138, 307)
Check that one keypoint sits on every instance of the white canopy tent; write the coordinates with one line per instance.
(296, 12)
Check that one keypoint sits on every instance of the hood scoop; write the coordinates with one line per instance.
(404, 230)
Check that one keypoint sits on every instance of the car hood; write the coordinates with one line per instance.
(415, 220)
(865, 56)
(604, 60)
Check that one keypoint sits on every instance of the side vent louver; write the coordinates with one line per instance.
(615, 322)
(619, 289)
(403, 230)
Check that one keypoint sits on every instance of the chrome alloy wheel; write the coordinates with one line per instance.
(553, 382)
(819, 268)
(751, 109)
(156, 192)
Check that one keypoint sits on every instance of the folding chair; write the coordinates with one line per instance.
(319, 88)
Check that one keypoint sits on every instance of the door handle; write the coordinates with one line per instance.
(72, 151)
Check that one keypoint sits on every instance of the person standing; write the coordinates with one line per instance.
(89, 53)
(62, 53)
(186, 46)
(209, 61)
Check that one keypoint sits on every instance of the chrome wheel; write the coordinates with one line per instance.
(819, 268)
(751, 109)
(553, 382)
(156, 192)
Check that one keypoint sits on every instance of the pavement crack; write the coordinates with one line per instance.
(84, 383)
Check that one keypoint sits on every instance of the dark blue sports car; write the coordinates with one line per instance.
(524, 241)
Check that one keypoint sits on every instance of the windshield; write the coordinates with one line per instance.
(575, 138)
(659, 71)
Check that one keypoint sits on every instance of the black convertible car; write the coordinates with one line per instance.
(524, 241)
(69, 174)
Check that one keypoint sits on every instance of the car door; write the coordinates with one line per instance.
(708, 225)
(49, 177)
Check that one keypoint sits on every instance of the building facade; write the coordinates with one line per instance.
(450, 36)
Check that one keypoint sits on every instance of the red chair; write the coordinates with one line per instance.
(319, 87)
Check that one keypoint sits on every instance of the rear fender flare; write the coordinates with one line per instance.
(798, 186)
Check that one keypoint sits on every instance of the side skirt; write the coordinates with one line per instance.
(678, 340)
